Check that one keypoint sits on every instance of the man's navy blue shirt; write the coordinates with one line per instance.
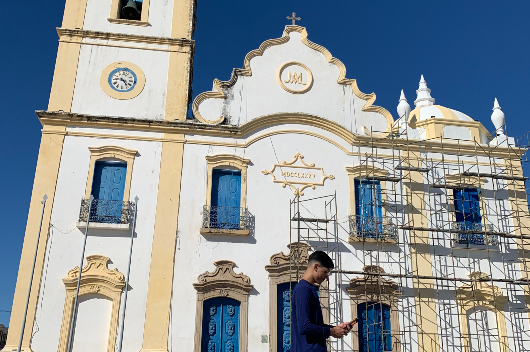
(308, 332)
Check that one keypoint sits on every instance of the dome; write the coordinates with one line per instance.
(421, 113)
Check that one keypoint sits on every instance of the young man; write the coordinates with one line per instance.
(308, 332)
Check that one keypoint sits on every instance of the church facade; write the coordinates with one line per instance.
(161, 232)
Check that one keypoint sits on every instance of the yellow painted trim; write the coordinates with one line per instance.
(77, 36)
(96, 278)
(223, 282)
(157, 310)
(183, 20)
(64, 77)
(482, 295)
(44, 183)
(113, 153)
(114, 14)
(74, 14)
(140, 80)
(218, 85)
(307, 84)
(363, 171)
(176, 127)
(178, 86)
(220, 160)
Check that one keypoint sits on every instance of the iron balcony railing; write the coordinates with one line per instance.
(107, 211)
(228, 218)
(376, 227)
(467, 236)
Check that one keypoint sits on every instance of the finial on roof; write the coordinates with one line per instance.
(423, 94)
(294, 18)
(403, 109)
(497, 117)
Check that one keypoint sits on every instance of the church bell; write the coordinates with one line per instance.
(130, 11)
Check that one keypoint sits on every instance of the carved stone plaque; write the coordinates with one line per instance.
(295, 77)
(299, 175)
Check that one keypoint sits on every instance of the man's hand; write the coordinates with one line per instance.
(340, 330)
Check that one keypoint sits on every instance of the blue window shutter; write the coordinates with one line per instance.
(374, 327)
(226, 197)
(368, 200)
(283, 317)
(459, 204)
(220, 325)
(387, 328)
(109, 180)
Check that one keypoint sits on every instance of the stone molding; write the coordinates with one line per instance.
(223, 282)
(96, 278)
(481, 294)
(220, 160)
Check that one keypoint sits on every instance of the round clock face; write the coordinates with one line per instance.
(122, 79)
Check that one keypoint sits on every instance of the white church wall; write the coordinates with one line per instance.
(91, 332)
(66, 241)
(269, 203)
(149, 104)
(160, 16)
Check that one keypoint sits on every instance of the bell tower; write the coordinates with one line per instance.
(116, 60)
(124, 58)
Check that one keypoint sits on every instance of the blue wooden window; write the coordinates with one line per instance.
(226, 199)
(368, 208)
(467, 213)
(108, 186)
(220, 325)
(374, 327)
(283, 316)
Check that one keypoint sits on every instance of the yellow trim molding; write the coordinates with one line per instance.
(157, 309)
(481, 294)
(298, 79)
(113, 153)
(223, 282)
(363, 171)
(218, 85)
(284, 268)
(96, 278)
(44, 183)
(220, 160)
(115, 18)
(140, 80)
(178, 127)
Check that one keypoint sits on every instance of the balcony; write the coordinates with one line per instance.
(106, 214)
(225, 221)
(468, 233)
(372, 229)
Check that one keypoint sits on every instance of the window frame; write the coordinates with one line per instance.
(114, 14)
(231, 161)
(111, 153)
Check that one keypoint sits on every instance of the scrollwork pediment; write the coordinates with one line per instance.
(223, 277)
(95, 274)
(480, 293)
(297, 258)
(372, 283)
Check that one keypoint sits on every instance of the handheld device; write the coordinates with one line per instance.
(353, 322)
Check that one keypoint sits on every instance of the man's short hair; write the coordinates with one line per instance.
(322, 259)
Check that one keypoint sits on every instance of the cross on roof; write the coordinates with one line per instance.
(294, 18)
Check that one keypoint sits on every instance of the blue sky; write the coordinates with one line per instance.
(469, 51)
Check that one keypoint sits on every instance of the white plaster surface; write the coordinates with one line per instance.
(66, 240)
(160, 13)
(92, 325)
(261, 94)
(89, 98)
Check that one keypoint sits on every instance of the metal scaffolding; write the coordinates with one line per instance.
(449, 285)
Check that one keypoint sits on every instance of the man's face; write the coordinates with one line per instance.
(320, 274)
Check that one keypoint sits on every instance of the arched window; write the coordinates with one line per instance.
(284, 272)
(221, 321)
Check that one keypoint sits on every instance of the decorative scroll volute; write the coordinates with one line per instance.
(222, 277)
(372, 283)
(95, 271)
(479, 292)
(298, 255)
